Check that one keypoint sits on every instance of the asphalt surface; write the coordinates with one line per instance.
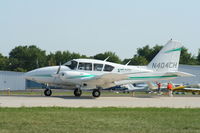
(88, 101)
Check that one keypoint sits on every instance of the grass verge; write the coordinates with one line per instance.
(98, 120)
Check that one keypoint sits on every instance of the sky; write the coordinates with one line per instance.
(95, 26)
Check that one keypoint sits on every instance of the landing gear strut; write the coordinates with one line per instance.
(96, 93)
(47, 92)
(77, 92)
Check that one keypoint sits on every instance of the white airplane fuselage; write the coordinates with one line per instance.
(93, 74)
(78, 77)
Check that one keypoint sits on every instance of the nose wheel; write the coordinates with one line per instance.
(47, 92)
(77, 92)
(96, 93)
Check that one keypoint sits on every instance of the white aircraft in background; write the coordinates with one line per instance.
(136, 87)
(81, 74)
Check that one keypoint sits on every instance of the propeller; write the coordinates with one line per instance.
(58, 69)
(56, 75)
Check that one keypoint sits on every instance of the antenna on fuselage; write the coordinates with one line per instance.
(128, 63)
(107, 58)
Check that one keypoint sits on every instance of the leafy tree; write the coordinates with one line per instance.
(26, 58)
(20, 69)
(193, 61)
(62, 57)
(148, 53)
(3, 62)
(51, 61)
(112, 57)
(139, 60)
(76, 56)
(155, 51)
(187, 58)
(136, 60)
(145, 51)
(198, 57)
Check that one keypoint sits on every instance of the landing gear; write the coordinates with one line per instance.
(47, 92)
(96, 93)
(77, 92)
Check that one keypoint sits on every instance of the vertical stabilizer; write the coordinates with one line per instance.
(168, 58)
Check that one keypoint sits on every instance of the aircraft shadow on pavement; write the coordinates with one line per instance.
(73, 97)
(147, 96)
(91, 97)
(41, 96)
(84, 97)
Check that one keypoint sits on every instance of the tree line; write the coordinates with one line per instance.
(26, 58)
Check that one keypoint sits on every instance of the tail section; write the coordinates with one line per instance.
(167, 59)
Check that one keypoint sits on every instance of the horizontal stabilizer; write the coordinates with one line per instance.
(182, 74)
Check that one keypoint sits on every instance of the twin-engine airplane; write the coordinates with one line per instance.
(81, 74)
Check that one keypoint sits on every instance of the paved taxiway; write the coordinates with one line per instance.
(87, 101)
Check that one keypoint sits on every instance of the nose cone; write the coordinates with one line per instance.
(39, 75)
(43, 74)
(29, 75)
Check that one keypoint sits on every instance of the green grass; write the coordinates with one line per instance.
(99, 120)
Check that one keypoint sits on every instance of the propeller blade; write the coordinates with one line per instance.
(58, 69)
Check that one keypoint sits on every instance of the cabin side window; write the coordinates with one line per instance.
(85, 66)
(71, 64)
(108, 68)
(98, 67)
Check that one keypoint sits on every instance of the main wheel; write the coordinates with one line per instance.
(47, 92)
(96, 93)
(77, 92)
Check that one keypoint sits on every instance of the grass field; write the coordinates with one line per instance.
(99, 120)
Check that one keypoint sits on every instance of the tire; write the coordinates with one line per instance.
(96, 93)
(77, 92)
(47, 92)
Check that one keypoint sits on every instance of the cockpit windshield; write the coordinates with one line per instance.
(71, 64)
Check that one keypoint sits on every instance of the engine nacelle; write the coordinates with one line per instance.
(73, 76)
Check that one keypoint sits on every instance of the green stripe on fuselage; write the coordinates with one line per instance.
(177, 49)
(82, 76)
(151, 77)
